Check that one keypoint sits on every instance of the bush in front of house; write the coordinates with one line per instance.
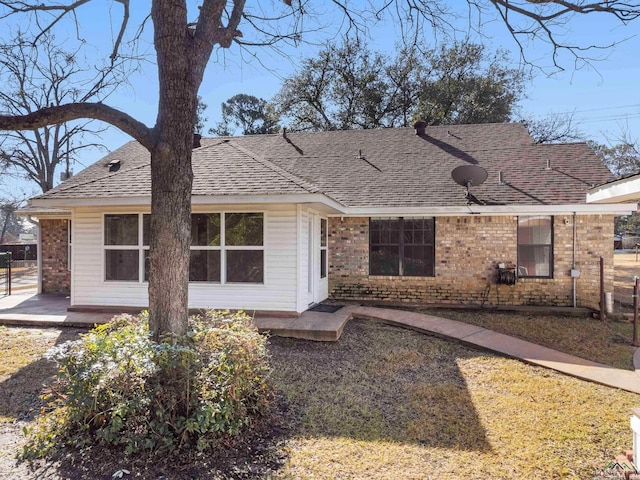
(117, 387)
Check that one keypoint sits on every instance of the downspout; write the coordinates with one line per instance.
(38, 251)
(573, 264)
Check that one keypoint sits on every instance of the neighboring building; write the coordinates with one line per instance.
(281, 222)
(20, 251)
(622, 190)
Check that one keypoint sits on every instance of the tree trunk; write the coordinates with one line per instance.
(7, 219)
(170, 235)
(171, 173)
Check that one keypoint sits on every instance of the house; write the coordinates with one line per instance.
(280, 222)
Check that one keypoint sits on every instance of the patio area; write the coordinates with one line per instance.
(51, 310)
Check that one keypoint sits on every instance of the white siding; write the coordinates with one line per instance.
(278, 293)
(89, 287)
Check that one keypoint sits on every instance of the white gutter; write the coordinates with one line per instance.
(623, 190)
(195, 200)
(335, 208)
(514, 209)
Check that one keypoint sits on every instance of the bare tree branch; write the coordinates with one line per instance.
(74, 111)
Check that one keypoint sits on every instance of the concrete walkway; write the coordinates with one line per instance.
(51, 310)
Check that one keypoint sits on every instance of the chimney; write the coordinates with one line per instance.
(420, 127)
(196, 140)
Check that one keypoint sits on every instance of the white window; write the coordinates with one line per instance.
(122, 247)
(535, 246)
(206, 247)
(225, 247)
(244, 247)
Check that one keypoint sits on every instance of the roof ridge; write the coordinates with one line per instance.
(577, 142)
(310, 187)
(229, 138)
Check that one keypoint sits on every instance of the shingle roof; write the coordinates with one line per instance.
(220, 167)
(367, 168)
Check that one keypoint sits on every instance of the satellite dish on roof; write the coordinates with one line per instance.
(469, 176)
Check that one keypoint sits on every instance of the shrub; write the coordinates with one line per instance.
(117, 387)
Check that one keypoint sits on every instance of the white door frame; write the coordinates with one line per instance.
(312, 263)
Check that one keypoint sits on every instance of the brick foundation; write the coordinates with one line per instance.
(56, 278)
(467, 251)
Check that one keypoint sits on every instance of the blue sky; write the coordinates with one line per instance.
(603, 96)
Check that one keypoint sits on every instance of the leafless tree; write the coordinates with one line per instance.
(554, 129)
(183, 47)
(40, 76)
(622, 155)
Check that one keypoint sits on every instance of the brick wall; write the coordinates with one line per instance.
(467, 252)
(56, 277)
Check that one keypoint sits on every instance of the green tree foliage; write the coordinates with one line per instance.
(200, 118)
(466, 84)
(627, 224)
(351, 87)
(252, 115)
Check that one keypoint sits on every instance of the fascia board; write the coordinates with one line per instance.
(580, 209)
(195, 200)
(625, 190)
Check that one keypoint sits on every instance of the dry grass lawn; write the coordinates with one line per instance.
(22, 371)
(389, 403)
(586, 337)
(385, 403)
(626, 268)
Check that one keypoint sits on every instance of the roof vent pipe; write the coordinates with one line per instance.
(196, 140)
(420, 127)
(548, 167)
(284, 132)
(501, 178)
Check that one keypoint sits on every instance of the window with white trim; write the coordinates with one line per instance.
(535, 246)
(122, 247)
(206, 247)
(221, 243)
(244, 247)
